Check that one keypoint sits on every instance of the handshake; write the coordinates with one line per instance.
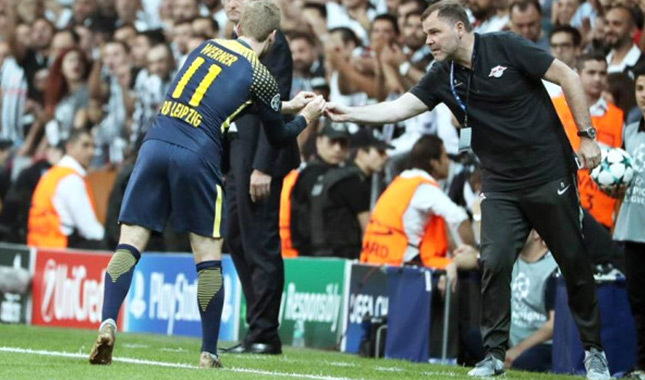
(311, 106)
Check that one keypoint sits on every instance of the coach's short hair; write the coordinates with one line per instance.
(259, 19)
(450, 10)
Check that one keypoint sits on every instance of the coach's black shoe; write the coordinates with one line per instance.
(102, 350)
(264, 348)
(239, 348)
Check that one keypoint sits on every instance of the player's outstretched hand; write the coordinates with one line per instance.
(314, 109)
(589, 153)
(337, 113)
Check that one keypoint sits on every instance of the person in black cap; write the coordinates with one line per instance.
(332, 150)
(340, 206)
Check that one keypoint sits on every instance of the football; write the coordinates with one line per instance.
(615, 169)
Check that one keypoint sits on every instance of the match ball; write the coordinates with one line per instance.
(615, 170)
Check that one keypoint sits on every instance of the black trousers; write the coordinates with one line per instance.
(553, 209)
(253, 239)
(635, 273)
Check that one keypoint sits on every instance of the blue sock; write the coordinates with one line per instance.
(118, 278)
(210, 300)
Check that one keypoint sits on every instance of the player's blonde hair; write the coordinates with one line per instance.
(259, 19)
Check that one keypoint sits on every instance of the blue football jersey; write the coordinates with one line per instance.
(219, 79)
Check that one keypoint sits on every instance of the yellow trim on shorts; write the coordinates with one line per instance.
(217, 225)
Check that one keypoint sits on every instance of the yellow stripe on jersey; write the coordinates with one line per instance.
(238, 48)
(228, 120)
(186, 77)
(197, 97)
(217, 224)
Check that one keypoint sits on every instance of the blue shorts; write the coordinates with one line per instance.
(167, 179)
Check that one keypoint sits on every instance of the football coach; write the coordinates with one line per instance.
(492, 84)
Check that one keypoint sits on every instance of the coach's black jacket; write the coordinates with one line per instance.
(257, 153)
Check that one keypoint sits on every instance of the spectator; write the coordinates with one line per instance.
(182, 32)
(487, 18)
(185, 10)
(620, 91)
(85, 39)
(526, 20)
(608, 121)
(131, 12)
(563, 11)
(63, 212)
(565, 46)
(406, 7)
(533, 287)
(152, 89)
(332, 149)
(409, 221)
(126, 33)
(340, 208)
(215, 10)
(84, 12)
(15, 210)
(62, 40)
(629, 227)
(205, 27)
(306, 62)
(345, 77)
(67, 94)
(109, 86)
(357, 15)
(619, 36)
(13, 88)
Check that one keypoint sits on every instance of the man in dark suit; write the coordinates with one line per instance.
(253, 186)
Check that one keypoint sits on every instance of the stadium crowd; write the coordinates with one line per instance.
(82, 81)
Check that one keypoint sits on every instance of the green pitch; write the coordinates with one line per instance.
(33, 353)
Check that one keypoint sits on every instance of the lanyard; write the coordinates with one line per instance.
(464, 106)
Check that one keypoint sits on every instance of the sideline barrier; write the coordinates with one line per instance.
(15, 308)
(367, 296)
(408, 334)
(163, 297)
(618, 332)
(313, 299)
(68, 288)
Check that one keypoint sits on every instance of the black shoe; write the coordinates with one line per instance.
(264, 348)
(239, 348)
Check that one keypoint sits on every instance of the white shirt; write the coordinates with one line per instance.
(493, 24)
(73, 205)
(427, 200)
(630, 60)
(599, 108)
(553, 89)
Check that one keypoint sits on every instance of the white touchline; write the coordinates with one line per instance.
(173, 365)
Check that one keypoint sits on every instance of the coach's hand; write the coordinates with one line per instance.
(337, 113)
(589, 153)
(260, 186)
(314, 109)
(301, 100)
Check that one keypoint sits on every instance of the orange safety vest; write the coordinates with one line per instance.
(610, 133)
(385, 240)
(44, 221)
(285, 214)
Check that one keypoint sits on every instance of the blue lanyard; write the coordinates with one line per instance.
(464, 106)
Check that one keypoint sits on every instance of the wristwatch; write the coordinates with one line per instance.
(588, 133)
